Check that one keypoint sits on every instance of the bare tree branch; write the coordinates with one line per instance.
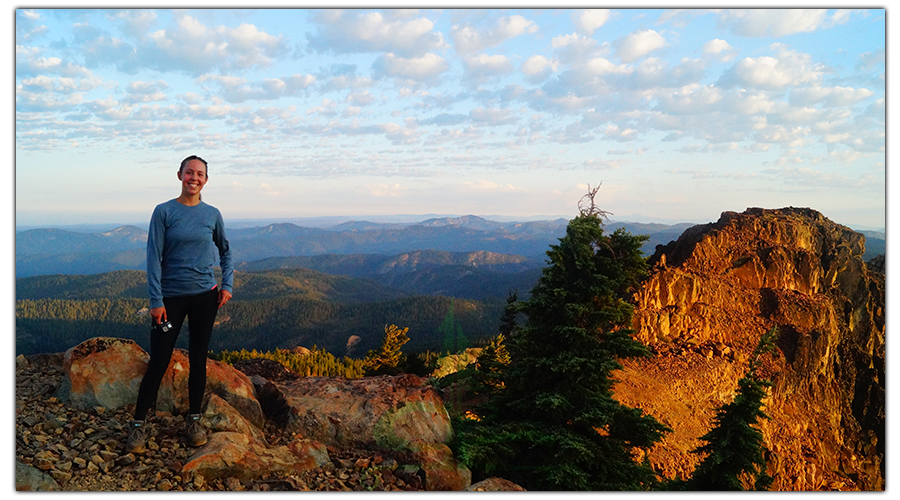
(588, 206)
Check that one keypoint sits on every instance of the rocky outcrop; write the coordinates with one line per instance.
(495, 484)
(714, 292)
(107, 372)
(314, 421)
(386, 411)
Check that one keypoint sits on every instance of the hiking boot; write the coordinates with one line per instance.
(194, 432)
(137, 437)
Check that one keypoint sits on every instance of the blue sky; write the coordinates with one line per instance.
(680, 114)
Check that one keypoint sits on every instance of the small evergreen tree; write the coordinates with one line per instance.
(387, 359)
(556, 426)
(734, 447)
(491, 363)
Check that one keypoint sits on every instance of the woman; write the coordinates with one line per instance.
(186, 235)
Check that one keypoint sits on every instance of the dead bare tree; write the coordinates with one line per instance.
(588, 206)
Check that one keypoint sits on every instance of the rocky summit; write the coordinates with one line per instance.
(710, 297)
(293, 433)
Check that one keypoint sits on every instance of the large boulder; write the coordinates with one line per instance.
(103, 371)
(29, 478)
(442, 471)
(107, 372)
(495, 484)
(221, 379)
(238, 455)
(389, 412)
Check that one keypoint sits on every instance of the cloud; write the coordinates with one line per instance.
(195, 49)
(538, 68)
(236, 89)
(136, 23)
(719, 50)
(139, 91)
(787, 68)
(419, 69)
(27, 27)
(343, 31)
(829, 97)
(588, 20)
(690, 100)
(638, 44)
(575, 48)
(485, 186)
(598, 164)
(483, 68)
(493, 117)
(777, 22)
(387, 190)
(469, 39)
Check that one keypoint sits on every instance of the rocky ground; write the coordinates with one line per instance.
(84, 450)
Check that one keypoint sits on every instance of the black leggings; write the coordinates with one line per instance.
(201, 311)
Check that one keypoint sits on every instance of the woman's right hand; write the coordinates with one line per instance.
(158, 314)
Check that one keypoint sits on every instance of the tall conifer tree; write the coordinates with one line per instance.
(556, 425)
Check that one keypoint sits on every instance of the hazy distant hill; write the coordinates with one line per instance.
(57, 251)
(59, 241)
(472, 275)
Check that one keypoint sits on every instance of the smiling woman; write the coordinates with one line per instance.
(181, 243)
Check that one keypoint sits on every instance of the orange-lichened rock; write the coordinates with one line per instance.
(103, 371)
(714, 292)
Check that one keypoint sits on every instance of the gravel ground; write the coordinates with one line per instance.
(84, 450)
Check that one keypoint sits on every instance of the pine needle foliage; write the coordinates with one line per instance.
(734, 449)
(316, 363)
(388, 358)
(556, 425)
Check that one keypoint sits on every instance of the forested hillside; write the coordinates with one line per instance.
(272, 309)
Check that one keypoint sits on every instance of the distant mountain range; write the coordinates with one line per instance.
(58, 251)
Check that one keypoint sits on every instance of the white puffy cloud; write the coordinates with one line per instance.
(574, 48)
(588, 20)
(787, 68)
(194, 48)
(691, 99)
(420, 69)
(719, 50)
(773, 22)
(483, 67)
(638, 44)
(538, 68)
(344, 31)
(469, 39)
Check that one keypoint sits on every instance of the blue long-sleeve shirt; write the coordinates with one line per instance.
(183, 246)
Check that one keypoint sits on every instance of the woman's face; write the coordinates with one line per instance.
(192, 177)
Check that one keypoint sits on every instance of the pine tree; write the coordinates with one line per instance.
(491, 363)
(387, 358)
(556, 426)
(734, 447)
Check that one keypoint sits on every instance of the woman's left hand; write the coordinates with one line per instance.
(224, 297)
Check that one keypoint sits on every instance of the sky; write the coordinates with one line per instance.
(679, 114)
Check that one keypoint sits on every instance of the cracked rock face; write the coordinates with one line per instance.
(714, 292)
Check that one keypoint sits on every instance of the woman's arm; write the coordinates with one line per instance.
(156, 238)
(225, 261)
